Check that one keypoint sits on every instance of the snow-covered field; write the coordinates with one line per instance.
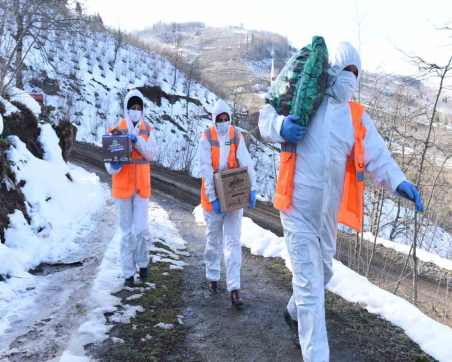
(433, 337)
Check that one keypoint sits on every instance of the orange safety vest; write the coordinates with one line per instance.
(351, 211)
(212, 136)
(133, 177)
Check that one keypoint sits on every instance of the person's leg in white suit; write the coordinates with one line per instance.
(232, 248)
(128, 240)
(141, 230)
(214, 245)
(223, 237)
(308, 295)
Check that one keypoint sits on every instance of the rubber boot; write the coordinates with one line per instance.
(235, 299)
(293, 325)
(144, 273)
(129, 282)
(213, 287)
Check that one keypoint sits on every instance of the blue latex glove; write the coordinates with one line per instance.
(252, 200)
(133, 138)
(291, 131)
(216, 206)
(409, 191)
(115, 165)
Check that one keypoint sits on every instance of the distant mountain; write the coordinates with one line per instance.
(235, 61)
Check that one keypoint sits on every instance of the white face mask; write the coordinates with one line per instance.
(343, 88)
(135, 115)
(222, 127)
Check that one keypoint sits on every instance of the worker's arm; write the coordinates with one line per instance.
(205, 163)
(148, 149)
(270, 124)
(382, 168)
(245, 160)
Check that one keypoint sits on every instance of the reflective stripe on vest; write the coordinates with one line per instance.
(133, 178)
(351, 211)
(211, 136)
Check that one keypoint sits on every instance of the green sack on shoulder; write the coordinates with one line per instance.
(301, 84)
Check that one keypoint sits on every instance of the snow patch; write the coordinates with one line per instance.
(423, 255)
(166, 326)
(9, 107)
(22, 97)
(48, 191)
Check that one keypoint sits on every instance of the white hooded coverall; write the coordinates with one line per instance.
(223, 231)
(133, 212)
(310, 225)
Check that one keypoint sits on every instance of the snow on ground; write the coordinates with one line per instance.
(56, 205)
(60, 211)
(423, 255)
(9, 107)
(22, 97)
(432, 238)
(433, 337)
(94, 328)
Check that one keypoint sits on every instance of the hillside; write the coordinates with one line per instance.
(235, 62)
(86, 83)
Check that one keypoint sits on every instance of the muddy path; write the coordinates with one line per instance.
(218, 332)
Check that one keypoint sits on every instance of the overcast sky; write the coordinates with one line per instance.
(383, 26)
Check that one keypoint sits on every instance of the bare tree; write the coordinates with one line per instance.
(193, 73)
(29, 24)
(441, 72)
(119, 39)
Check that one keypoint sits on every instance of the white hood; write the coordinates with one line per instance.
(345, 55)
(130, 94)
(221, 107)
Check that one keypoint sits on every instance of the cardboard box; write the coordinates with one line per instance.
(232, 188)
(116, 148)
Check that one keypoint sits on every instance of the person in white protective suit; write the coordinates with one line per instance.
(310, 223)
(131, 188)
(223, 147)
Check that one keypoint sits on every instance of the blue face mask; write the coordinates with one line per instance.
(344, 87)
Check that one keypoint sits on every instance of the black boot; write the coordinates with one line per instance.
(293, 325)
(144, 274)
(235, 299)
(213, 287)
(129, 282)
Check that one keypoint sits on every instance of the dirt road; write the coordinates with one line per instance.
(212, 330)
